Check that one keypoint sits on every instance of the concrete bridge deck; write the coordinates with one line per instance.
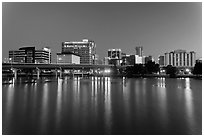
(55, 66)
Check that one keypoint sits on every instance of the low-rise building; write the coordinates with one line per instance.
(30, 55)
(115, 56)
(43, 56)
(68, 58)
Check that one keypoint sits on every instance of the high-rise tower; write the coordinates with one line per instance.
(86, 49)
(139, 51)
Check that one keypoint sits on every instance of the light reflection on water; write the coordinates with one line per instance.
(162, 101)
(108, 111)
(103, 105)
(44, 109)
(59, 103)
(189, 104)
(8, 101)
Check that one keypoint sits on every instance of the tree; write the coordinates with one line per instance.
(197, 68)
(171, 71)
(152, 67)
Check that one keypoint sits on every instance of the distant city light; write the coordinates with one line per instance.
(162, 70)
(187, 70)
(107, 70)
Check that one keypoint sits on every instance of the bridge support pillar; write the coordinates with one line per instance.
(15, 72)
(82, 72)
(73, 73)
(60, 72)
(56, 73)
(38, 73)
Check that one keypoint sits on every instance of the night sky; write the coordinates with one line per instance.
(158, 27)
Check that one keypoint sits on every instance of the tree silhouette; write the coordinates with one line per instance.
(171, 71)
(197, 68)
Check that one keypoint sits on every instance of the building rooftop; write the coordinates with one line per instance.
(114, 49)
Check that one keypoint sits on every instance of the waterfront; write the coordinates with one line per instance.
(102, 105)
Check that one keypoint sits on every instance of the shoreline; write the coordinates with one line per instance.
(118, 75)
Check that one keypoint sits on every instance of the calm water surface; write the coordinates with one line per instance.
(102, 106)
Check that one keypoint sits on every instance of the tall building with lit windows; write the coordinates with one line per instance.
(180, 58)
(86, 49)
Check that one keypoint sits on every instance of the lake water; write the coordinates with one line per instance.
(98, 105)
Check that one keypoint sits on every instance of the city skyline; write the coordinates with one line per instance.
(158, 27)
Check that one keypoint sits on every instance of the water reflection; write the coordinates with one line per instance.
(189, 107)
(161, 82)
(162, 102)
(44, 109)
(103, 105)
(8, 101)
(108, 111)
(59, 103)
(187, 83)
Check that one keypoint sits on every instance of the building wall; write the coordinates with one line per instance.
(17, 56)
(138, 59)
(180, 58)
(75, 59)
(106, 61)
(29, 54)
(161, 60)
(23, 55)
(68, 59)
(43, 56)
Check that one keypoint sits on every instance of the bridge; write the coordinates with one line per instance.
(54, 66)
(15, 67)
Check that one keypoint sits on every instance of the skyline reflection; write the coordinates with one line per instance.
(189, 107)
(103, 105)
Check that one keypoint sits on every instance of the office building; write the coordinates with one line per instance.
(106, 60)
(131, 60)
(114, 53)
(139, 51)
(23, 55)
(30, 55)
(96, 59)
(135, 59)
(148, 58)
(68, 58)
(86, 49)
(43, 56)
(161, 60)
(125, 60)
(115, 56)
(180, 58)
